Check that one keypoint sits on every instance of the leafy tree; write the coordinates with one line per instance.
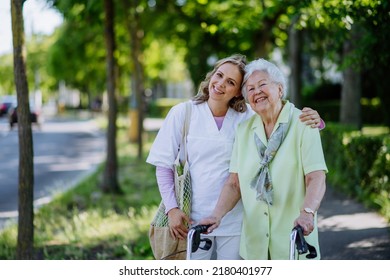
(38, 77)
(78, 56)
(209, 29)
(213, 29)
(364, 23)
(132, 13)
(7, 85)
(25, 241)
(36, 65)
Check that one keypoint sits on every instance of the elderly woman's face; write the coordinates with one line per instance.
(263, 93)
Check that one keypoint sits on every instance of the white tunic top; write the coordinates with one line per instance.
(209, 152)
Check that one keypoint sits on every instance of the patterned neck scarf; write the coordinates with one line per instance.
(262, 182)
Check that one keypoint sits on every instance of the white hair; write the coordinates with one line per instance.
(262, 65)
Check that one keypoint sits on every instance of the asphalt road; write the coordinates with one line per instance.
(65, 151)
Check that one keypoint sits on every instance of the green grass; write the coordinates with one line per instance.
(85, 223)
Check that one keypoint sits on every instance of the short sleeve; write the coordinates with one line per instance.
(311, 149)
(166, 144)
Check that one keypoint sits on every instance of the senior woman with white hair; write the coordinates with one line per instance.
(277, 169)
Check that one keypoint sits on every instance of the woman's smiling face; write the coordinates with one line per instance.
(263, 94)
(225, 83)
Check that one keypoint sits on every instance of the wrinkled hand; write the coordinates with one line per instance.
(310, 117)
(177, 223)
(306, 221)
(212, 221)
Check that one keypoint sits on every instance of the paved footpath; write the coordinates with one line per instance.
(348, 231)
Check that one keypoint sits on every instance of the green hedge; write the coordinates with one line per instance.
(359, 164)
(329, 110)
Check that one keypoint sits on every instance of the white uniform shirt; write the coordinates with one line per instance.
(209, 152)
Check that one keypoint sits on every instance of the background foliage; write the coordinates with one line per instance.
(180, 39)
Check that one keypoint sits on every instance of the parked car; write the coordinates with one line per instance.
(34, 116)
(7, 102)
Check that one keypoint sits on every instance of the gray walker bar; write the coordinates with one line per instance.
(293, 236)
(193, 240)
(299, 244)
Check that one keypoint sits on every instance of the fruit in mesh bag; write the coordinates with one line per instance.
(186, 206)
(183, 188)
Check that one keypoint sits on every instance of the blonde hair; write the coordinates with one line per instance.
(237, 103)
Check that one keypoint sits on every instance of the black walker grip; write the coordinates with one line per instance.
(302, 246)
(196, 238)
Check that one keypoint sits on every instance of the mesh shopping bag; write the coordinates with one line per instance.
(162, 244)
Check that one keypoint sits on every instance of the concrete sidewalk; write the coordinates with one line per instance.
(348, 231)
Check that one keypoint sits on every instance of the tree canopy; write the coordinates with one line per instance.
(178, 34)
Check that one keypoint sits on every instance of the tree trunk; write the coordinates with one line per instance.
(110, 177)
(25, 241)
(350, 109)
(295, 61)
(263, 38)
(136, 35)
(262, 42)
